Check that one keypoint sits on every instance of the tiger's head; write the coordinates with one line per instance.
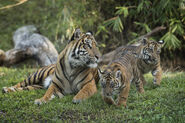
(85, 51)
(111, 80)
(150, 50)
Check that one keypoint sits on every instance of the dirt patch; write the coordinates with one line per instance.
(75, 116)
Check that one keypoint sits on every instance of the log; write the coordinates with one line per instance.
(29, 44)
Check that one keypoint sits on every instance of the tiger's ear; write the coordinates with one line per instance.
(144, 41)
(118, 74)
(76, 34)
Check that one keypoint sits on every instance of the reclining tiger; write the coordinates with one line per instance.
(74, 73)
(115, 78)
(151, 62)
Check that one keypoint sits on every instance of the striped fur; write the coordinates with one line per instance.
(34, 81)
(115, 78)
(74, 73)
(149, 62)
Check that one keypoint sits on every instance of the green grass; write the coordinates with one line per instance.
(162, 104)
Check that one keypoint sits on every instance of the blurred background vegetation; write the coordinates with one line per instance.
(114, 22)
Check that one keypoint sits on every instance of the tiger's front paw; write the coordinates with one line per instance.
(8, 89)
(76, 101)
(39, 101)
(122, 104)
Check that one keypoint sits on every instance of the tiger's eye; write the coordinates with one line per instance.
(111, 84)
(158, 51)
(150, 49)
(103, 84)
(116, 84)
(85, 47)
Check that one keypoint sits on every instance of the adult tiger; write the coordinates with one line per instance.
(74, 72)
(150, 62)
(117, 75)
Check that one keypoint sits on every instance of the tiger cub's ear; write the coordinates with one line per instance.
(89, 33)
(118, 74)
(101, 70)
(76, 34)
(161, 42)
(144, 41)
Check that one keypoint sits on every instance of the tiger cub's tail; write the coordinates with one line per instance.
(38, 80)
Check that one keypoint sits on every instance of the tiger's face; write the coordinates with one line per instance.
(111, 81)
(151, 51)
(85, 52)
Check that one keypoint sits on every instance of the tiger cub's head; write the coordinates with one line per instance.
(151, 50)
(110, 80)
(85, 51)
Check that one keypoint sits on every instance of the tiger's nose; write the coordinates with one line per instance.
(108, 94)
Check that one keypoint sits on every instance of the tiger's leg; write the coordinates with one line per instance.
(49, 95)
(123, 96)
(108, 100)
(157, 74)
(143, 79)
(139, 86)
(88, 90)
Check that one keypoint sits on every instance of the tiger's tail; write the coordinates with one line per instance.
(38, 80)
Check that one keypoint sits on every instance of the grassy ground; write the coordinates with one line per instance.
(162, 104)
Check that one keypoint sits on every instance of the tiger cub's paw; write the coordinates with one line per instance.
(155, 85)
(122, 104)
(141, 91)
(8, 89)
(39, 101)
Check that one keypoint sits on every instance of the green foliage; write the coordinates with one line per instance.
(171, 41)
(144, 26)
(115, 23)
(122, 10)
(145, 15)
(161, 104)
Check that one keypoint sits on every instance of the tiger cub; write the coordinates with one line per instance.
(74, 73)
(115, 78)
(150, 61)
